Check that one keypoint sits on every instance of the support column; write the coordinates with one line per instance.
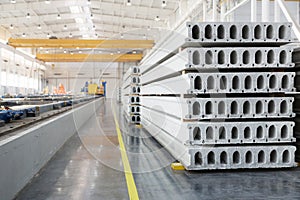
(214, 11)
(265, 11)
(276, 11)
(253, 11)
(204, 5)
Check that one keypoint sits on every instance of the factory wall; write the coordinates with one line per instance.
(74, 75)
(20, 73)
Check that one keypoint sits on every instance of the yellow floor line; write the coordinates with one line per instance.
(131, 187)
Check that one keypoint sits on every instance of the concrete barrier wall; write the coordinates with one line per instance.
(23, 155)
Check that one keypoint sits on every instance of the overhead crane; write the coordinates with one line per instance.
(80, 43)
(89, 57)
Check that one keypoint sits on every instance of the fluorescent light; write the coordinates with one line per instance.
(58, 16)
(39, 27)
(83, 29)
(11, 26)
(163, 4)
(47, 2)
(157, 18)
(75, 9)
(79, 20)
(28, 16)
(128, 2)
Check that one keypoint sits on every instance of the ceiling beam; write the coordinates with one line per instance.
(59, 28)
(95, 5)
(89, 57)
(97, 17)
(81, 43)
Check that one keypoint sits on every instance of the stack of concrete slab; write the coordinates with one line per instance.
(219, 100)
(130, 95)
(296, 60)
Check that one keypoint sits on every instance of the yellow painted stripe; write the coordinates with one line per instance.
(131, 187)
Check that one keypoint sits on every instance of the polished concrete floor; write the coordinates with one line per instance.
(89, 166)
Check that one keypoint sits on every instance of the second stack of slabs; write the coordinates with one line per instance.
(130, 95)
(221, 102)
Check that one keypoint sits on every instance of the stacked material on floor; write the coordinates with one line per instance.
(296, 60)
(219, 99)
(130, 95)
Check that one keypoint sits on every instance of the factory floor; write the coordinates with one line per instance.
(90, 166)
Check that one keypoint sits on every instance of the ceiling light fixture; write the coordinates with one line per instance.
(72, 53)
(60, 48)
(65, 27)
(65, 51)
(70, 36)
(23, 35)
(28, 16)
(79, 51)
(111, 54)
(122, 36)
(163, 4)
(77, 47)
(47, 51)
(47, 2)
(144, 36)
(128, 3)
(39, 27)
(48, 35)
(148, 28)
(134, 52)
(58, 16)
(11, 26)
(94, 27)
(157, 18)
(13, 1)
(92, 16)
(88, 2)
(75, 9)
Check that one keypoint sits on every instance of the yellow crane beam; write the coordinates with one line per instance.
(89, 57)
(80, 43)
